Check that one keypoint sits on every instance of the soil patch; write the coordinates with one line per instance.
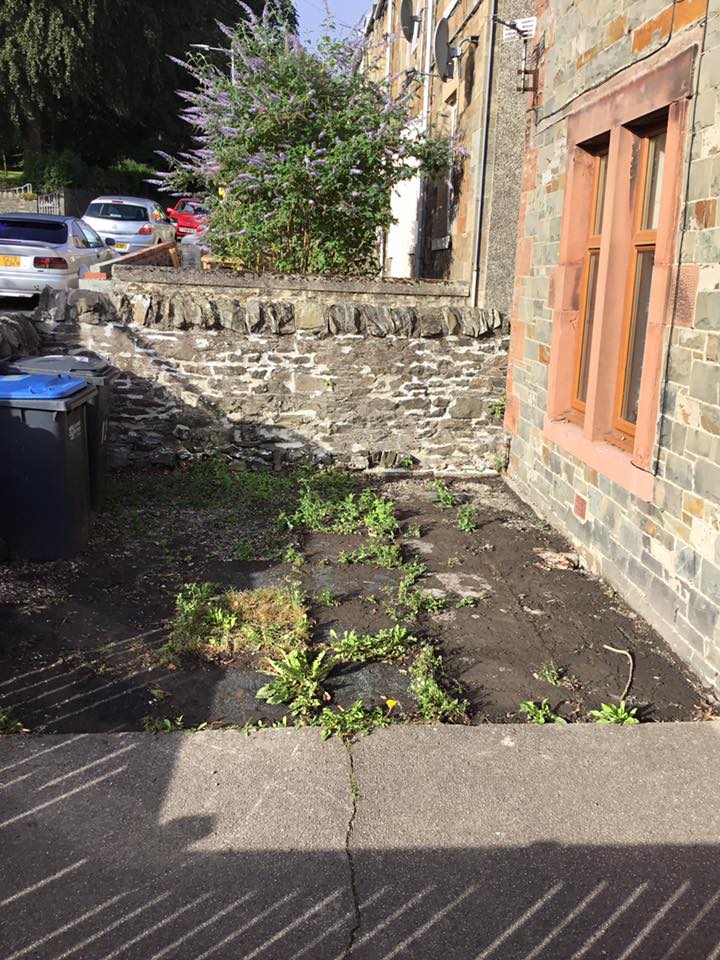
(504, 602)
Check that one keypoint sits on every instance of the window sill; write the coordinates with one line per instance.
(609, 460)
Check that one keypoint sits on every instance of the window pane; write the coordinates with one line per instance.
(117, 211)
(586, 344)
(653, 184)
(638, 331)
(600, 193)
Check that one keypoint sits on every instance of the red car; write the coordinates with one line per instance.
(189, 216)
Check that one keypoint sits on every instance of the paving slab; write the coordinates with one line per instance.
(498, 842)
(182, 846)
(523, 842)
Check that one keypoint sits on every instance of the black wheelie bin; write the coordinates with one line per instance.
(44, 476)
(100, 373)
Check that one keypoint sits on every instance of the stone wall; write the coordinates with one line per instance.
(229, 284)
(662, 554)
(18, 336)
(17, 203)
(271, 381)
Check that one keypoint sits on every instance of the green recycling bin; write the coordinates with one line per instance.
(44, 475)
(98, 372)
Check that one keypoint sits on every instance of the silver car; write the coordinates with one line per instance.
(38, 251)
(129, 223)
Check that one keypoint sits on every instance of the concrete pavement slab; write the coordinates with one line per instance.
(182, 846)
(490, 843)
(523, 842)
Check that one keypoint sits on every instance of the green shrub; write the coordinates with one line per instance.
(302, 152)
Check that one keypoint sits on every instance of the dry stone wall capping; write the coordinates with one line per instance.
(273, 380)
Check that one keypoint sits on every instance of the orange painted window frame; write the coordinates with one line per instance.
(593, 251)
(644, 240)
(590, 436)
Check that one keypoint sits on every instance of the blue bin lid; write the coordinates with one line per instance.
(39, 386)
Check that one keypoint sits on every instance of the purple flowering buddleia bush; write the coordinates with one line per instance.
(300, 156)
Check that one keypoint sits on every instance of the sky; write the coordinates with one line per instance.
(311, 13)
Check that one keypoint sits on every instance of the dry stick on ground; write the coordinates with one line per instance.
(624, 653)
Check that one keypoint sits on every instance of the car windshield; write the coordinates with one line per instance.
(117, 211)
(195, 208)
(45, 231)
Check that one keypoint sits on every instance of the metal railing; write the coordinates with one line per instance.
(17, 191)
(50, 202)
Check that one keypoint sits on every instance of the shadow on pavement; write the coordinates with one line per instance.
(100, 859)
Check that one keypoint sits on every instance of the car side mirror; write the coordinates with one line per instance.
(109, 242)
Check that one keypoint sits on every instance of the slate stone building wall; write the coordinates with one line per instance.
(275, 381)
(662, 552)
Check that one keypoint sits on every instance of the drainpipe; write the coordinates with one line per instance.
(482, 166)
(428, 19)
(388, 73)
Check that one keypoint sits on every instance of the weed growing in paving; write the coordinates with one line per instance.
(435, 703)
(329, 502)
(177, 724)
(293, 556)
(208, 620)
(8, 723)
(611, 713)
(325, 598)
(198, 613)
(243, 550)
(162, 724)
(540, 712)
(556, 675)
(444, 496)
(467, 518)
(389, 644)
(466, 601)
(414, 531)
(214, 481)
(298, 681)
(387, 555)
(355, 721)
(410, 600)
(551, 673)
(379, 516)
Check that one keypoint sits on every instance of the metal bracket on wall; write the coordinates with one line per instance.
(522, 29)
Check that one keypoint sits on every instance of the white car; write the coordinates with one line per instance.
(129, 224)
(38, 251)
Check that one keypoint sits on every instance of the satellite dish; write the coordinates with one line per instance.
(444, 53)
(408, 20)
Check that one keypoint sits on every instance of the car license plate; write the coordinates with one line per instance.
(121, 246)
(9, 261)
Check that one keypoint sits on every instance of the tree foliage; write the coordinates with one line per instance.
(94, 76)
(301, 154)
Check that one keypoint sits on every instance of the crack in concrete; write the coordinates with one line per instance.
(355, 797)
